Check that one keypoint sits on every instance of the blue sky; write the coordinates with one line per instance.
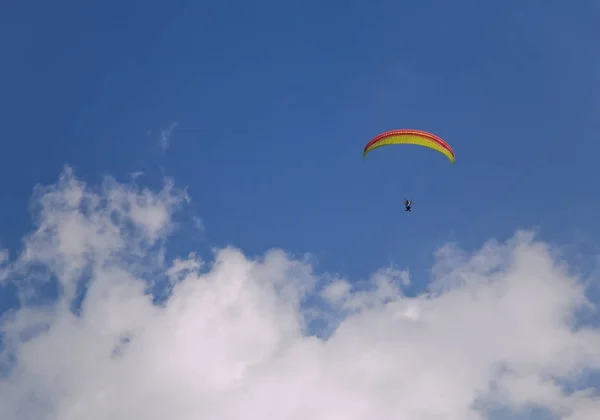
(274, 102)
(272, 98)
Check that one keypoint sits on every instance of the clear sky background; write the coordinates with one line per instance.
(260, 111)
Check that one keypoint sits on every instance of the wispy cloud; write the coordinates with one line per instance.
(198, 223)
(164, 140)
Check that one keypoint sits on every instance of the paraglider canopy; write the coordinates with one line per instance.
(416, 137)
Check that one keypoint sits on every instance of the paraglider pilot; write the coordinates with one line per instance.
(407, 205)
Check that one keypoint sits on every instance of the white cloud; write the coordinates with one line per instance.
(164, 139)
(135, 175)
(497, 327)
(336, 291)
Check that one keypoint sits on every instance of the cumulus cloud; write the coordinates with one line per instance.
(230, 337)
(164, 139)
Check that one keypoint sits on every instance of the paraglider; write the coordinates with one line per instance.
(416, 137)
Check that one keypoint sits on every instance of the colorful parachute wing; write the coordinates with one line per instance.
(417, 137)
